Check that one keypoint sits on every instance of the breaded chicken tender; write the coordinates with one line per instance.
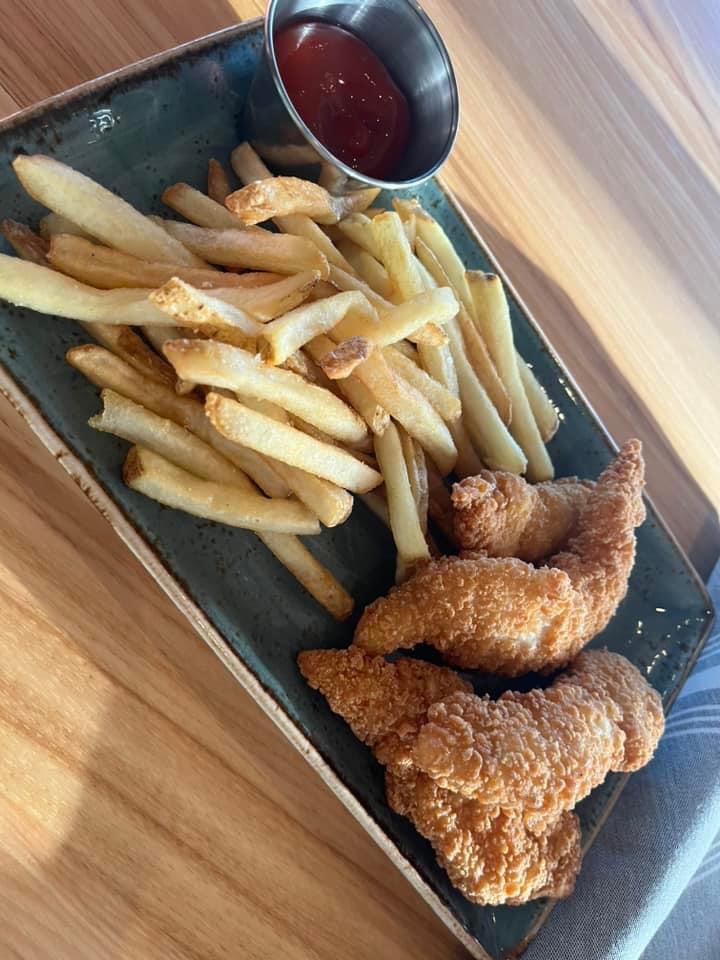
(502, 515)
(505, 616)
(545, 750)
(489, 854)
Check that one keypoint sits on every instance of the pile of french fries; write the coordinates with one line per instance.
(264, 378)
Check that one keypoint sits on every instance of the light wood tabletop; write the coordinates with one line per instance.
(148, 809)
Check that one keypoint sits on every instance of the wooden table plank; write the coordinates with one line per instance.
(147, 808)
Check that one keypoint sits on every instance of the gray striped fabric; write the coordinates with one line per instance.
(650, 884)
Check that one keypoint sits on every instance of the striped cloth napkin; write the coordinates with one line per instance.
(650, 884)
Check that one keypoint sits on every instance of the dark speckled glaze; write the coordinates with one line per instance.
(137, 132)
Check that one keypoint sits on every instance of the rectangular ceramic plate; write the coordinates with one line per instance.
(137, 131)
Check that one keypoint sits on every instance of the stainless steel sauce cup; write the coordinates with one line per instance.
(406, 41)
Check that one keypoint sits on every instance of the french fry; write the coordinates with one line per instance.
(196, 309)
(218, 182)
(493, 318)
(410, 408)
(157, 478)
(158, 337)
(341, 361)
(445, 402)
(220, 365)
(475, 346)
(409, 351)
(250, 250)
(433, 235)
(289, 445)
(97, 210)
(126, 344)
(396, 255)
(331, 504)
(249, 167)
(108, 371)
(404, 521)
(347, 282)
(53, 224)
(132, 422)
(108, 269)
(417, 475)
(272, 299)
(481, 362)
(25, 242)
(314, 577)
(359, 230)
(420, 319)
(491, 438)
(283, 196)
(39, 288)
(200, 209)
(367, 268)
(356, 393)
(288, 333)
(545, 414)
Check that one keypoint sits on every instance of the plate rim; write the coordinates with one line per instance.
(84, 477)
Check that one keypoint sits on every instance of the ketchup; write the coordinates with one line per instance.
(345, 95)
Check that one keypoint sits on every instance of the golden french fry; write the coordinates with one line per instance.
(218, 182)
(97, 210)
(314, 577)
(416, 465)
(396, 255)
(445, 402)
(283, 196)
(138, 425)
(347, 282)
(493, 318)
(53, 224)
(25, 242)
(106, 370)
(126, 344)
(410, 408)
(158, 337)
(199, 209)
(288, 333)
(108, 269)
(433, 235)
(157, 478)
(481, 362)
(475, 346)
(489, 435)
(39, 288)
(194, 308)
(253, 250)
(411, 352)
(341, 361)
(546, 416)
(415, 319)
(289, 445)
(356, 393)
(272, 299)
(367, 268)
(249, 167)
(404, 521)
(221, 365)
(358, 229)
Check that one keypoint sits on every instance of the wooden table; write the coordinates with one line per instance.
(147, 808)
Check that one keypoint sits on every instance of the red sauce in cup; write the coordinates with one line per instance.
(345, 95)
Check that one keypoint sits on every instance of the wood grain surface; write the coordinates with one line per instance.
(147, 808)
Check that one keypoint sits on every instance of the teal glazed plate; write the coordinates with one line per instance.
(136, 132)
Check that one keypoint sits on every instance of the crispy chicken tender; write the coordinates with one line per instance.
(545, 750)
(505, 616)
(502, 515)
(384, 703)
(489, 854)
